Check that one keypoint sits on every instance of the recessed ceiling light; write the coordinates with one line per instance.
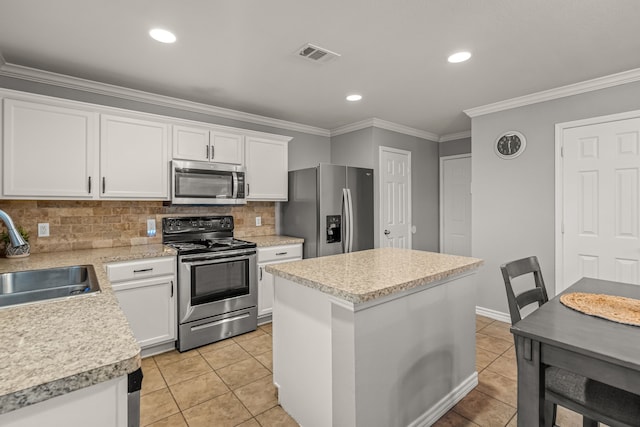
(354, 97)
(459, 57)
(163, 36)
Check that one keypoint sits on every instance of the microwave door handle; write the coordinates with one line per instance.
(234, 189)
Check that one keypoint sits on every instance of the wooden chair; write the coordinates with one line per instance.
(597, 402)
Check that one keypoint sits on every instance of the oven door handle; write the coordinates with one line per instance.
(217, 260)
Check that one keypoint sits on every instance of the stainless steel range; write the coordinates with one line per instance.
(217, 281)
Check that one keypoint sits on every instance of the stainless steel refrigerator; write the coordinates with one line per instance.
(331, 207)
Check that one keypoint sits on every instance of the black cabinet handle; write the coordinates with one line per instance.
(172, 289)
(89, 185)
(104, 184)
(143, 270)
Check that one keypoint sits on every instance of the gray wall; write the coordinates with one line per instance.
(361, 148)
(455, 147)
(305, 150)
(514, 200)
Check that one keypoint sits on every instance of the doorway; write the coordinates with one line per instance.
(455, 205)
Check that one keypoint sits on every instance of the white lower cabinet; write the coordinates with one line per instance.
(100, 405)
(146, 292)
(272, 255)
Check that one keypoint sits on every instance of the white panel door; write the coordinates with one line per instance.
(395, 198)
(601, 177)
(49, 150)
(455, 190)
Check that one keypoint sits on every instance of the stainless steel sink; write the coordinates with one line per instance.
(21, 287)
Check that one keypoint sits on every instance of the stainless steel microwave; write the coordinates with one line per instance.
(203, 183)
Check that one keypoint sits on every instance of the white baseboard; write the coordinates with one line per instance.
(449, 401)
(493, 314)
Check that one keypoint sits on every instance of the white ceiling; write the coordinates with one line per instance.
(239, 54)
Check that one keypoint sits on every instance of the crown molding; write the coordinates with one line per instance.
(617, 79)
(362, 124)
(383, 124)
(455, 136)
(70, 82)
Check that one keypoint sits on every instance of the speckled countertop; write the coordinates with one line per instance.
(366, 275)
(274, 240)
(54, 347)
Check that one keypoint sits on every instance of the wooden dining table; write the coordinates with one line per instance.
(556, 335)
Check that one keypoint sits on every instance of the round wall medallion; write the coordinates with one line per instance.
(510, 145)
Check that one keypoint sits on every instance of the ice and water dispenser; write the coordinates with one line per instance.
(333, 230)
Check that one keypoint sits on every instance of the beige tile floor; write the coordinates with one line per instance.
(229, 383)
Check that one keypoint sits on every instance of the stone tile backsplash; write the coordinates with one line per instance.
(75, 224)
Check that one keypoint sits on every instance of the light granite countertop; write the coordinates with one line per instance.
(54, 347)
(363, 276)
(273, 240)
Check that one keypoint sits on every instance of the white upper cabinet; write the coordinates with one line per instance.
(134, 161)
(190, 143)
(60, 149)
(267, 167)
(49, 151)
(205, 144)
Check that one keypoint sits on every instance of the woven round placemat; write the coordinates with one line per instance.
(610, 307)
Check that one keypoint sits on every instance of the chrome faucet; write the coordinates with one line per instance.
(14, 236)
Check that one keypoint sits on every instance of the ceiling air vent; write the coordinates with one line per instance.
(316, 54)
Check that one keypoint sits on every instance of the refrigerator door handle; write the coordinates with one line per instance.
(345, 222)
(350, 205)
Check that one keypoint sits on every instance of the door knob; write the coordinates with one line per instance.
(387, 232)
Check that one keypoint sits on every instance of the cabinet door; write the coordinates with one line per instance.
(48, 150)
(267, 163)
(134, 158)
(265, 291)
(190, 143)
(227, 148)
(150, 307)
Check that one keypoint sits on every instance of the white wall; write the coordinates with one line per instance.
(455, 147)
(361, 148)
(513, 200)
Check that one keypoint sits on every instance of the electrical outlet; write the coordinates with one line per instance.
(43, 229)
(258, 221)
(151, 227)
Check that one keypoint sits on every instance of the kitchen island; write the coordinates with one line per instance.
(383, 337)
(55, 353)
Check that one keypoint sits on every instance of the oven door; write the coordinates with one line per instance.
(210, 285)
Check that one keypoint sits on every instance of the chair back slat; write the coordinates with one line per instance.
(538, 294)
(531, 296)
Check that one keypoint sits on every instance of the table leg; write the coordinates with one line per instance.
(530, 383)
